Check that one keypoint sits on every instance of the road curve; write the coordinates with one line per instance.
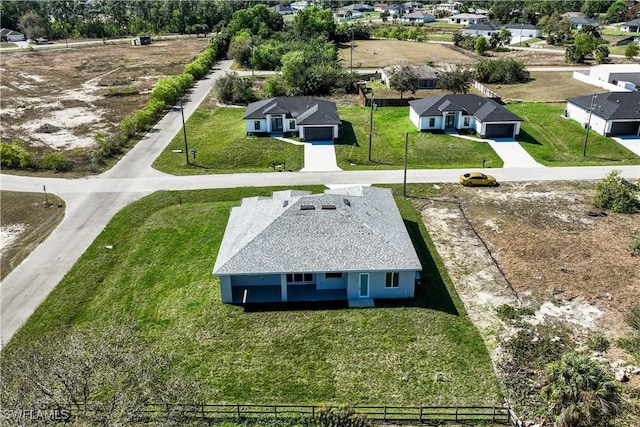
(93, 201)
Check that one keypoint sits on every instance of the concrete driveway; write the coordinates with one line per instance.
(631, 143)
(508, 149)
(319, 157)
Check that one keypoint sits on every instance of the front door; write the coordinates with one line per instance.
(450, 121)
(364, 285)
(276, 124)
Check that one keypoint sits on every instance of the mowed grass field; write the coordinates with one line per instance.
(158, 274)
(554, 140)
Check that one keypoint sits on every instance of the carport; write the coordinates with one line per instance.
(502, 130)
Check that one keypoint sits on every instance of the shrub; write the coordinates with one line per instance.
(635, 246)
(613, 193)
(598, 342)
(509, 312)
(343, 416)
(14, 155)
(504, 71)
(54, 160)
(633, 319)
(234, 89)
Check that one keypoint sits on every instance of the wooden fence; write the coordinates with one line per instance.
(400, 414)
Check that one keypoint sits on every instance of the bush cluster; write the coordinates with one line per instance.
(505, 71)
(615, 194)
(401, 32)
(14, 155)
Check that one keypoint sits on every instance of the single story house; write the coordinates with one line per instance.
(577, 22)
(468, 19)
(631, 26)
(427, 76)
(357, 7)
(310, 118)
(611, 76)
(418, 17)
(450, 6)
(523, 31)
(341, 15)
(7, 35)
(299, 5)
(394, 9)
(412, 6)
(612, 113)
(482, 29)
(283, 9)
(346, 244)
(464, 112)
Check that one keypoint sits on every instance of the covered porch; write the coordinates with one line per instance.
(247, 294)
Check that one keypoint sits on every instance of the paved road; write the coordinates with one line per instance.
(93, 201)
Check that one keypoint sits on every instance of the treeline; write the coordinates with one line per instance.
(59, 19)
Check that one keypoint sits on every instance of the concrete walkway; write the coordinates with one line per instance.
(509, 150)
(631, 143)
(318, 156)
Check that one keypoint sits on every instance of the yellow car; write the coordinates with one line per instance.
(477, 179)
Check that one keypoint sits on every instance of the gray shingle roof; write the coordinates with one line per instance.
(483, 26)
(351, 229)
(521, 26)
(611, 105)
(483, 109)
(307, 110)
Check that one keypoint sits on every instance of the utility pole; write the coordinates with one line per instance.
(406, 160)
(351, 53)
(586, 135)
(184, 131)
(371, 123)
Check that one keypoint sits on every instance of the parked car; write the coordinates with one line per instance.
(477, 179)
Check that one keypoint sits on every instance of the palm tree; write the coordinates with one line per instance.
(581, 392)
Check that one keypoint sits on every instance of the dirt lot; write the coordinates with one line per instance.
(551, 255)
(60, 98)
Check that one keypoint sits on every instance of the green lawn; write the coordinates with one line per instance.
(556, 141)
(426, 150)
(222, 146)
(159, 274)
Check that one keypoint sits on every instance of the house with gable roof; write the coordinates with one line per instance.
(311, 119)
(464, 112)
(347, 244)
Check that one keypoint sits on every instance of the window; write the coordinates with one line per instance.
(256, 125)
(299, 278)
(467, 120)
(432, 122)
(392, 280)
(292, 124)
(333, 275)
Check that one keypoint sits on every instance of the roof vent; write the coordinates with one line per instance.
(307, 207)
(285, 203)
(347, 202)
(328, 207)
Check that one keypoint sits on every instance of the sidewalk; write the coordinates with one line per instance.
(318, 156)
(509, 150)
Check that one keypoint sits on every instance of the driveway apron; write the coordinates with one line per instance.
(631, 143)
(512, 154)
(319, 157)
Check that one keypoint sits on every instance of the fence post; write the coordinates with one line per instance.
(385, 412)
(456, 414)
(421, 412)
(238, 410)
(275, 411)
(202, 410)
(313, 412)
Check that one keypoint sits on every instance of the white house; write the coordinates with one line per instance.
(7, 35)
(482, 29)
(613, 77)
(631, 26)
(310, 118)
(523, 31)
(468, 19)
(464, 112)
(609, 114)
(418, 17)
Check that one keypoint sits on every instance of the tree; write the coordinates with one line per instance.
(32, 26)
(481, 45)
(591, 8)
(259, 20)
(557, 29)
(313, 21)
(105, 376)
(584, 44)
(233, 89)
(602, 54)
(505, 36)
(631, 50)
(455, 80)
(240, 48)
(581, 392)
(617, 11)
(613, 193)
(403, 79)
(504, 71)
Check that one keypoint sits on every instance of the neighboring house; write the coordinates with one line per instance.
(379, 7)
(394, 9)
(451, 7)
(427, 76)
(357, 7)
(468, 19)
(418, 17)
(523, 31)
(412, 6)
(613, 77)
(310, 118)
(577, 22)
(299, 5)
(631, 26)
(482, 29)
(612, 113)
(345, 15)
(347, 244)
(7, 35)
(464, 112)
(283, 10)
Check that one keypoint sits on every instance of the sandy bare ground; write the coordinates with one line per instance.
(61, 98)
(549, 254)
